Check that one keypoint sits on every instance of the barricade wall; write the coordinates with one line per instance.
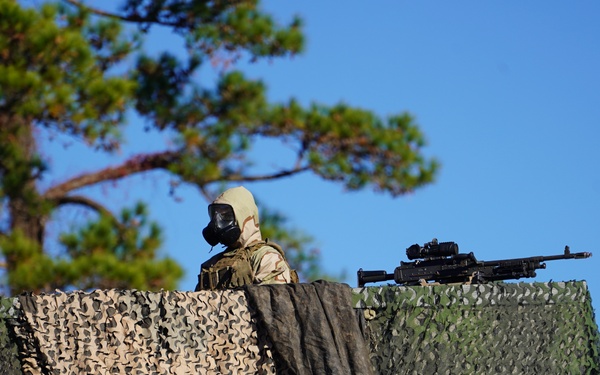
(500, 328)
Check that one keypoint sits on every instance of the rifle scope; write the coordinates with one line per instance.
(432, 249)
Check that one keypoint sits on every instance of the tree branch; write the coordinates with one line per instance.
(94, 205)
(209, 196)
(89, 203)
(137, 164)
(83, 201)
(285, 173)
(136, 19)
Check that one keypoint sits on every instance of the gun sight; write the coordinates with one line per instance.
(432, 249)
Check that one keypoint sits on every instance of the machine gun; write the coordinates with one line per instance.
(440, 262)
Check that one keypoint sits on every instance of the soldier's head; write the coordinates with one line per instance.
(233, 219)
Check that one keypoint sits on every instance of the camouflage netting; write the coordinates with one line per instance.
(9, 361)
(133, 332)
(538, 328)
(497, 328)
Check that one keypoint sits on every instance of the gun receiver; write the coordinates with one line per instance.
(440, 262)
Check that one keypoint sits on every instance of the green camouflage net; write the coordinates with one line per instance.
(9, 361)
(539, 328)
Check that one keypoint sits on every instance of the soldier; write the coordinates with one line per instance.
(247, 258)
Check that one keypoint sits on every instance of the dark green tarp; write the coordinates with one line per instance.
(313, 328)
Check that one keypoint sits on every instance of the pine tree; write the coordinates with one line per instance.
(68, 68)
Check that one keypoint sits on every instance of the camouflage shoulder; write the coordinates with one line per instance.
(260, 251)
(275, 246)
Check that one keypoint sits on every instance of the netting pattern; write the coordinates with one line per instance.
(141, 333)
(503, 328)
(525, 328)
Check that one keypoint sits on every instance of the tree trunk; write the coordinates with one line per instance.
(19, 167)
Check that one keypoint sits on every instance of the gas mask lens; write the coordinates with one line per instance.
(221, 215)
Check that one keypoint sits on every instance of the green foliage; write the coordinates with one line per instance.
(108, 254)
(53, 74)
(77, 70)
(227, 26)
(101, 254)
(355, 147)
(33, 268)
(17, 165)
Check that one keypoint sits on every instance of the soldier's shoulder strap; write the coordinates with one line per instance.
(259, 245)
(275, 246)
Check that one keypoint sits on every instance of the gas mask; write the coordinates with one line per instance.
(222, 227)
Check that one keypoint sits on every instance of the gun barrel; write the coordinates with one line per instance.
(568, 255)
(372, 277)
(539, 259)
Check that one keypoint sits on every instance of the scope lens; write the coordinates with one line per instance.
(414, 252)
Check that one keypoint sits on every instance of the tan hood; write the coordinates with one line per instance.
(246, 213)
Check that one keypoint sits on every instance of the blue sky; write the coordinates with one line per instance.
(508, 96)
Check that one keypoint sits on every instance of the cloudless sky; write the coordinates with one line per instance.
(508, 96)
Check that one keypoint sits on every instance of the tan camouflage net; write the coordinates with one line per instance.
(132, 332)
